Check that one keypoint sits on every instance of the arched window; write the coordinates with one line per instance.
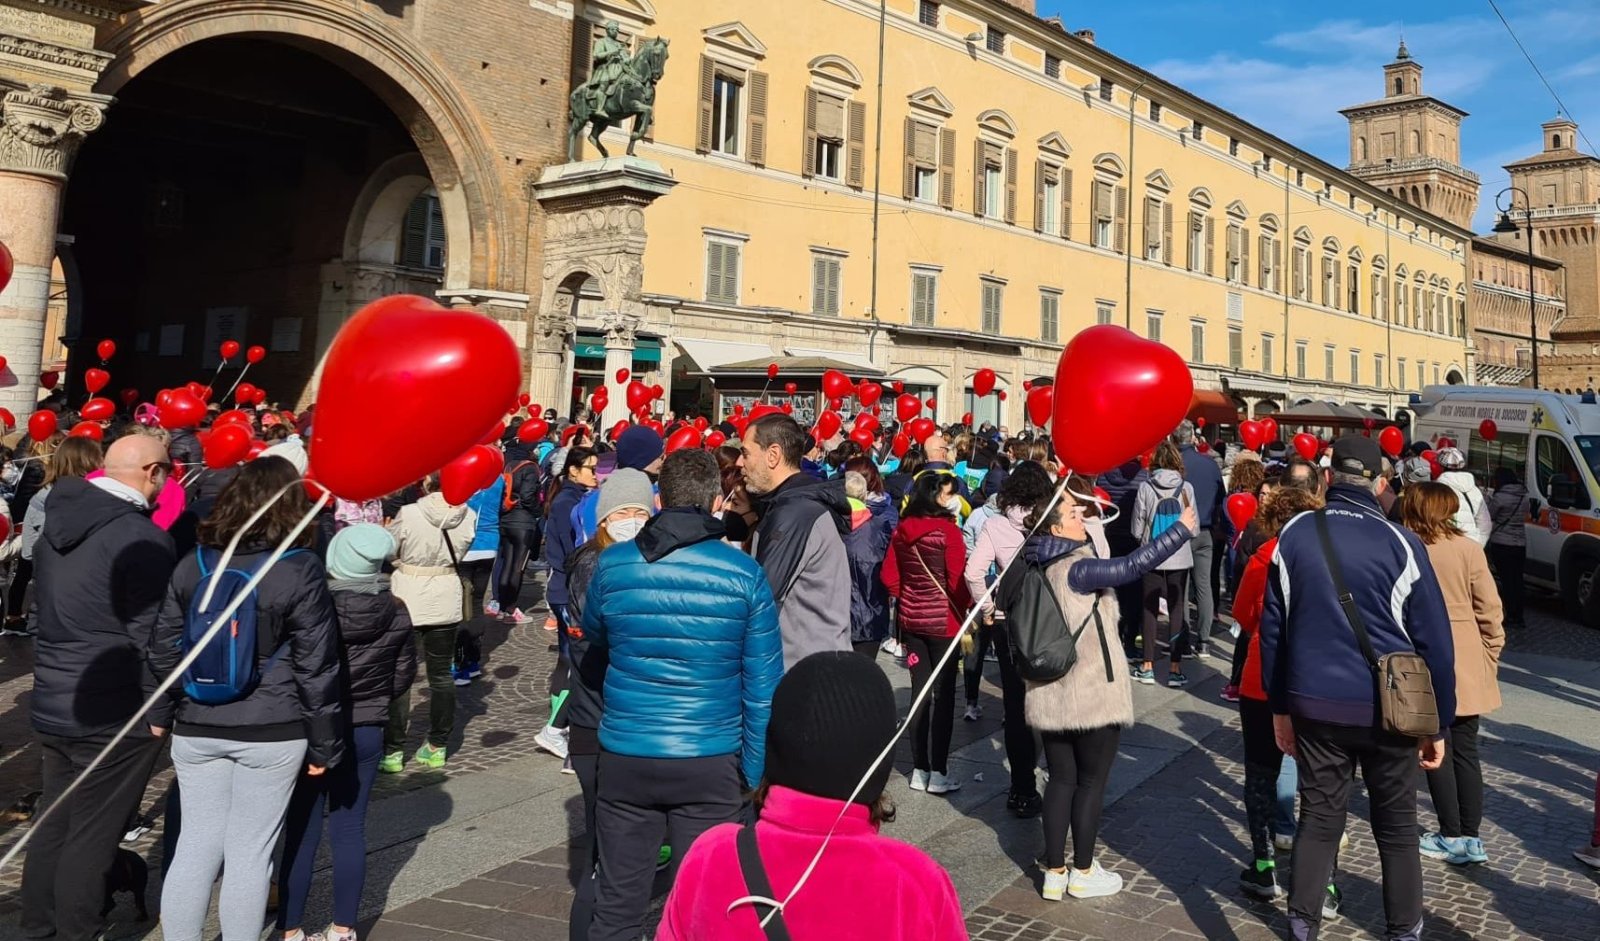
(1301, 261)
(1416, 144)
(422, 244)
(1397, 86)
(1555, 141)
(1271, 256)
(1361, 148)
(1202, 232)
(835, 124)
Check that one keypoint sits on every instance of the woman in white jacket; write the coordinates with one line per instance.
(1472, 516)
(431, 536)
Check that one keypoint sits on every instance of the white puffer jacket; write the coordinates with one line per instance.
(425, 577)
(1472, 517)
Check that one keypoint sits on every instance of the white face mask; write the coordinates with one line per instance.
(625, 530)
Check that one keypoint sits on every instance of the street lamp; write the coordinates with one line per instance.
(1505, 227)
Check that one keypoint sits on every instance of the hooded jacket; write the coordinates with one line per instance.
(1472, 516)
(691, 633)
(100, 572)
(1122, 484)
(299, 696)
(925, 572)
(1508, 512)
(799, 544)
(485, 507)
(560, 538)
(997, 544)
(871, 527)
(425, 574)
(1311, 664)
(1162, 485)
(380, 657)
(527, 489)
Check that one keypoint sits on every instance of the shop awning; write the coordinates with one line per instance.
(858, 362)
(593, 346)
(1217, 408)
(707, 355)
(792, 367)
(1329, 415)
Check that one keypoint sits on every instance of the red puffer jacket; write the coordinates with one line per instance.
(924, 571)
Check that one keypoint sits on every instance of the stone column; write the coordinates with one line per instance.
(548, 368)
(620, 327)
(41, 127)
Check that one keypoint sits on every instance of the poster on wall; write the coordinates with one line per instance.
(804, 403)
(222, 323)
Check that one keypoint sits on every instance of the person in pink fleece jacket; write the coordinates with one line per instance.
(832, 714)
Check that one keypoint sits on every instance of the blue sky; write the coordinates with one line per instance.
(1290, 72)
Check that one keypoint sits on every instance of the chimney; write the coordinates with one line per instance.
(1087, 35)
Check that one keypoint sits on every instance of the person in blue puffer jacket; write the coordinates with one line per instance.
(691, 632)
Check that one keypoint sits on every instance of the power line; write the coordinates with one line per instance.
(1539, 72)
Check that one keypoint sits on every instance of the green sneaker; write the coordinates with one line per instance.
(393, 763)
(663, 858)
(430, 757)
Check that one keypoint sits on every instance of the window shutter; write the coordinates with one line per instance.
(414, 246)
(1264, 276)
(1039, 171)
(1232, 251)
(713, 270)
(1195, 226)
(1277, 265)
(1244, 255)
(1338, 282)
(1120, 224)
(834, 265)
(758, 119)
(830, 117)
(708, 85)
(1166, 233)
(947, 168)
(1211, 246)
(808, 165)
(1066, 203)
(855, 172)
(1011, 186)
(582, 57)
(730, 273)
(911, 159)
(819, 284)
(1152, 224)
(979, 165)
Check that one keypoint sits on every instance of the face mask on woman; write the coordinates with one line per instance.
(624, 530)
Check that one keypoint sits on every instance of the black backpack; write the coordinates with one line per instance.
(1043, 648)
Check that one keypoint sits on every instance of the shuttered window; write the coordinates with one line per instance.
(1104, 219)
(1197, 341)
(829, 132)
(1152, 325)
(1354, 288)
(1047, 201)
(928, 13)
(1152, 228)
(1355, 367)
(825, 284)
(924, 297)
(1327, 363)
(1380, 374)
(1050, 316)
(1197, 232)
(1300, 348)
(1103, 314)
(726, 98)
(1052, 66)
(1236, 347)
(722, 271)
(994, 181)
(1401, 372)
(733, 112)
(930, 163)
(1266, 353)
(993, 297)
(422, 244)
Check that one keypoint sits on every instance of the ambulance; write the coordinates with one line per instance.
(1553, 442)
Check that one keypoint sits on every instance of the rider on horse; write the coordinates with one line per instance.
(610, 64)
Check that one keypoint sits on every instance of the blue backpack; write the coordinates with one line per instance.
(1168, 511)
(228, 668)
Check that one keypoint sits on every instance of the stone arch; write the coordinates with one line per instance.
(836, 68)
(373, 233)
(444, 125)
(1110, 164)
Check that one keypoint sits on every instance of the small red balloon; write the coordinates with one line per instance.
(259, 397)
(790, 388)
(2, 358)
(983, 382)
(716, 439)
(1200, 422)
(237, 415)
(922, 429)
(900, 444)
(534, 429)
(868, 393)
(242, 394)
(1392, 440)
(128, 396)
(685, 437)
(106, 349)
(966, 418)
(227, 445)
(49, 379)
(1202, 445)
(95, 379)
(1369, 423)
(87, 429)
(183, 410)
(1270, 427)
(828, 425)
(524, 400)
(638, 395)
(772, 371)
(469, 473)
(1252, 434)
(256, 447)
(622, 375)
(255, 354)
(863, 437)
(933, 404)
(1241, 510)
(787, 408)
(1027, 385)
(619, 428)
(494, 434)
(8, 419)
(164, 398)
(1041, 403)
(897, 386)
(836, 404)
(229, 349)
(98, 409)
(738, 411)
(701, 424)
(1001, 395)
(1488, 430)
(656, 391)
(867, 420)
(907, 407)
(835, 384)
(41, 424)
(1307, 446)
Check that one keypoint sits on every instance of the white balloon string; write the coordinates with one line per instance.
(178, 671)
(214, 376)
(233, 544)
(916, 703)
(237, 379)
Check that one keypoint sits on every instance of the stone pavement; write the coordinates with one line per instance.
(487, 849)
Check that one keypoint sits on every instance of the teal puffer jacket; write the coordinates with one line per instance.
(692, 634)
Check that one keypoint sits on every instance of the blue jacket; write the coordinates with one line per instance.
(1122, 484)
(866, 546)
(559, 541)
(692, 636)
(1311, 663)
(486, 504)
(1205, 477)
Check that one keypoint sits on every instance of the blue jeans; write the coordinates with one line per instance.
(344, 791)
(1283, 819)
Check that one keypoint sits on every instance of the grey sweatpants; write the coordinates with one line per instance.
(233, 796)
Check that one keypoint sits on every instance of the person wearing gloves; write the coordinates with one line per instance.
(831, 716)
(381, 662)
(237, 762)
(1169, 581)
(1472, 515)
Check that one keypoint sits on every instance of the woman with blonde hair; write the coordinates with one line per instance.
(1476, 625)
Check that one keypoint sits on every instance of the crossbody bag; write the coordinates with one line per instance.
(757, 883)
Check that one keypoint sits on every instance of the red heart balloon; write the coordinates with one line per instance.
(49, 379)
(448, 371)
(738, 411)
(1269, 427)
(87, 429)
(256, 447)
(966, 418)
(1307, 446)
(1241, 510)
(1027, 385)
(1118, 395)
(184, 410)
(787, 408)
(899, 444)
(828, 425)
(1252, 434)
(656, 391)
(790, 388)
(907, 407)
(233, 415)
(862, 437)
(866, 420)
(7, 265)
(618, 429)
(128, 396)
(469, 473)
(1001, 395)
(41, 424)
(229, 349)
(868, 393)
(700, 424)
(243, 393)
(835, 384)
(106, 349)
(772, 371)
(534, 429)
(898, 386)
(1200, 422)
(259, 397)
(494, 434)
(95, 379)
(685, 437)
(922, 429)
(163, 398)
(228, 444)
(835, 404)
(983, 382)
(256, 354)
(1041, 403)
(638, 396)
(716, 439)
(1369, 423)
(1488, 430)
(98, 409)
(8, 419)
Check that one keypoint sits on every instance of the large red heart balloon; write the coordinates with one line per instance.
(1241, 510)
(1116, 395)
(1041, 402)
(98, 409)
(1306, 446)
(638, 395)
(868, 393)
(7, 264)
(95, 379)
(828, 425)
(685, 437)
(184, 410)
(228, 444)
(922, 429)
(835, 384)
(534, 429)
(400, 364)
(106, 349)
(907, 407)
(983, 382)
(87, 429)
(41, 424)
(229, 349)
(1252, 434)
(469, 473)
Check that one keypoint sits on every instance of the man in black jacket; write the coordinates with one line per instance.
(102, 569)
(1202, 473)
(1122, 485)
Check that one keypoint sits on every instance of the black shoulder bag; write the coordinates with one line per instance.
(1405, 688)
(757, 883)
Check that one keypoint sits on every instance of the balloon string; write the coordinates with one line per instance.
(916, 703)
(220, 366)
(238, 379)
(183, 665)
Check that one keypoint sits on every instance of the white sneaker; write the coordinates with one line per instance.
(942, 783)
(1055, 885)
(1096, 883)
(553, 741)
(893, 648)
(1283, 843)
(919, 780)
(974, 713)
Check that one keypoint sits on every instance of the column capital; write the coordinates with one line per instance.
(41, 127)
(620, 327)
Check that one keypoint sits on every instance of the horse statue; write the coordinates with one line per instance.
(619, 89)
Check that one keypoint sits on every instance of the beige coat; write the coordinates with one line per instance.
(1083, 700)
(424, 577)
(1473, 601)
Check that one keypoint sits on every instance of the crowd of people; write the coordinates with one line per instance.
(726, 622)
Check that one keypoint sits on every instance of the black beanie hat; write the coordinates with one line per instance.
(832, 714)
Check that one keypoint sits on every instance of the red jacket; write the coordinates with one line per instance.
(1247, 605)
(925, 570)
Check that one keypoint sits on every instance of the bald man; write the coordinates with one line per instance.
(101, 570)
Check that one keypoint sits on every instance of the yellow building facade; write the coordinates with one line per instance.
(1018, 184)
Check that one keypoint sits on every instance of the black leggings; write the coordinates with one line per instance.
(1262, 762)
(930, 737)
(515, 547)
(19, 588)
(1174, 586)
(1022, 754)
(972, 665)
(1457, 785)
(1080, 764)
